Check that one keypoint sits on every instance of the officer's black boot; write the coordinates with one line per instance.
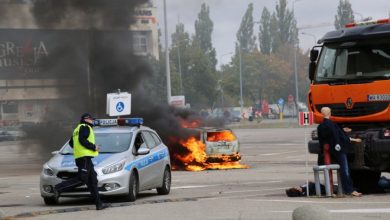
(102, 205)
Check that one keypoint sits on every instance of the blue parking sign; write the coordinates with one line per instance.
(120, 106)
(280, 101)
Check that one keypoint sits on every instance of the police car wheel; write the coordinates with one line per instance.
(133, 187)
(50, 200)
(166, 186)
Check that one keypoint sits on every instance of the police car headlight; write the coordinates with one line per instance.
(114, 168)
(47, 170)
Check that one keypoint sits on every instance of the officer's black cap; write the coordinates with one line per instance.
(87, 116)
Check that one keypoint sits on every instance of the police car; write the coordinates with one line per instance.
(132, 158)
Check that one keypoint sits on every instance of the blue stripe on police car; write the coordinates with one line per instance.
(147, 160)
(68, 160)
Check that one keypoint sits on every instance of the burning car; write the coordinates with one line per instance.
(210, 148)
(221, 145)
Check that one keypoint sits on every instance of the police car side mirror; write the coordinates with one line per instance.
(55, 152)
(143, 151)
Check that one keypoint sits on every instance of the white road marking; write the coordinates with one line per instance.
(311, 201)
(272, 154)
(196, 186)
(355, 211)
(297, 156)
(382, 210)
(259, 190)
(226, 184)
(287, 144)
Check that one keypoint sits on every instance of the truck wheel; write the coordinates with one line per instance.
(50, 200)
(366, 180)
(166, 186)
(133, 187)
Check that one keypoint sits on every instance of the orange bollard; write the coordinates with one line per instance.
(327, 161)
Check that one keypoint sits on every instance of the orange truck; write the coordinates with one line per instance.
(349, 72)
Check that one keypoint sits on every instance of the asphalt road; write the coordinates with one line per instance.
(277, 161)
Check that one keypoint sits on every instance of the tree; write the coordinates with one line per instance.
(204, 28)
(202, 63)
(155, 83)
(275, 39)
(245, 35)
(179, 54)
(286, 29)
(265, 41)
(203, 31)
(344, 14)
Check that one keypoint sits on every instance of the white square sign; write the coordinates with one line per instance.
(118, 104)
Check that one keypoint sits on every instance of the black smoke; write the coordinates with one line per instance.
(93, 52)
(95, 55)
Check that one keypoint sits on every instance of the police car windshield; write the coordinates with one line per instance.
(107, 142)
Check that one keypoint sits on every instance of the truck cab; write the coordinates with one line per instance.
(350, 73)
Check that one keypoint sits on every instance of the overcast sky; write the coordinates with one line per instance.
(227, 15)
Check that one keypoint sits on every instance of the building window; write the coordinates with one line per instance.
(10, 108)
(140, 42)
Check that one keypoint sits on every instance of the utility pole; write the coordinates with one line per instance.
(241, 99)
(295, 46)
(167, 69)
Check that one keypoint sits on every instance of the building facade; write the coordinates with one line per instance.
(29, 88)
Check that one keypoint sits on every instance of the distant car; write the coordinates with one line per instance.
(221, 144)
(132, 158)
(11, 135)
(226, 115)
(234, 116)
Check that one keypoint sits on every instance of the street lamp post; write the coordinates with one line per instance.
(180, 73)
(296, 74)
(296, 65)
(167, 68)
(241, 99)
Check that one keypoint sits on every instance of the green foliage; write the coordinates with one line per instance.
(203, 29)
(268, 74)
(193, 62)
(155, 84)
(180, 60)
(245, 37)
(344, 14)
(265, 37)
(286, 29)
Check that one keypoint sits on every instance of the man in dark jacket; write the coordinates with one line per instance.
(332, 134)
(84, 149)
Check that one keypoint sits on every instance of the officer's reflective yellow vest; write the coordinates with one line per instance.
(78, 149)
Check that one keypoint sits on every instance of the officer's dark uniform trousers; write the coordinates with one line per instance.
(86, 175)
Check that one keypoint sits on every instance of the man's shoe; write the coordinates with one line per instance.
(102, 206)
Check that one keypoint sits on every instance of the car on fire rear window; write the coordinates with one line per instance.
(222, 144)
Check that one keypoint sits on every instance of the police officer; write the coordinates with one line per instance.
(84, 149)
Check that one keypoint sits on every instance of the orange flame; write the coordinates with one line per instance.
(195, 160)
(220, 136)
(190, 124)
(197, 149)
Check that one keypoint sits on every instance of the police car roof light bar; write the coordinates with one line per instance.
(119, 122)
(130, 121)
